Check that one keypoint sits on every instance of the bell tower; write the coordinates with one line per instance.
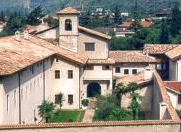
(68, 28)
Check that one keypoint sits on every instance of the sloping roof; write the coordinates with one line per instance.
(173, 86)
(158, 48)
(16, 55)
(68, 10)
(94, 32)
(144, 24)
(138, 78)
(174, 53)
(101, 61)
(131, 56)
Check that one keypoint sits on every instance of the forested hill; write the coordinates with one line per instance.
(53, 5)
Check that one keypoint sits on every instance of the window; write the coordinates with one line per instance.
(70, 74)
(134, 71)
(126, 71)
(159, 66)
(106, 67)
(118, 70)
(57, 74)
(89, 47)
(32, 69)
(70, 99)
(56, 59)
(56, 99)
(89, 67)
(7, 103)
(68, 25)
(179, 99)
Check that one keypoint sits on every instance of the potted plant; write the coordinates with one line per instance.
(85, 103)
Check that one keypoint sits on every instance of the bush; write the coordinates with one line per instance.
(179, 113)
(85, 102)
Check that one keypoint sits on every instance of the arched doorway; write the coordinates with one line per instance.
(93, 89)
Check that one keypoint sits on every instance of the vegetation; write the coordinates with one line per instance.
(85, 102)
(35, 17)
(46, 110)
(60, 99)
(67, 116)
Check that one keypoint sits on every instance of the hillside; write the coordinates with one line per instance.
(53, 5)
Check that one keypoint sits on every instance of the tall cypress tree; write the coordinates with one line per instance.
(117, 15)
(175, 21)
(164, 36)
(2, 16)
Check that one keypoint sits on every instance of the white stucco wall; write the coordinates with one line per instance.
(50, 34)
(101, 46)
(130, 66)
(173, 97)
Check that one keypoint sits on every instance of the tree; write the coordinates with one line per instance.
(60, 99)
(164, 36)
(117, 15)
(2, 16)
(119, 90)
(85, 18)
(46, 110)
(175, 21)
(95, 22)
(14, 23)
(135, 106)
(106, 20)
(35, 17)
(133, 86)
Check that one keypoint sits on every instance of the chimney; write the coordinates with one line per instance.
(163, 108)
(26, 34)
(148, 73)
(17, 35)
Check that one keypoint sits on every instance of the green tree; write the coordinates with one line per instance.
(46, 110)
(119, 91)
(175, 21)
(117, 15)
(14, 23)
(133, 86)
(2, 16)
(60, 99)
(106, 20)
(164, 35)
(134, 105)
(85, 18)
(95, 22)
(35, 17)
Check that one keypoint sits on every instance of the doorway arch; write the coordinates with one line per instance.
(93, 89)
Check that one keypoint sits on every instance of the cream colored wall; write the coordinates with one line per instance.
(145, 92)
(173, 97)
(65, 85)
(101, 46)
(103, 77)
(140, 67)
(50, 34)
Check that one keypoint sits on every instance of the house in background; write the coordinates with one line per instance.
(2, 24)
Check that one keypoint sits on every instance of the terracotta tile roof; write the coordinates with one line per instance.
(39, 28)
(138, 78)
(173, 85)
(68, 10)
(165, 97)
(158, 48)
(174, 53)
(144, 24)
(93, 124)
(126, 24)
(17, 55)
(131, 56)
(101, 61)
(94, 32)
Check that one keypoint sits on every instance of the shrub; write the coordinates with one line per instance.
(85, 102)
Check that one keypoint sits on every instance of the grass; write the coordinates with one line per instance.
(129, 116)
(67, 116)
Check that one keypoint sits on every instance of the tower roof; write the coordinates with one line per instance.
(68, 10)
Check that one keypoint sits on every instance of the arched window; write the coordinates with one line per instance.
(68, 25)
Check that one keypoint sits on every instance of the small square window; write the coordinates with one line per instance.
(118, 70)
(89, 46)
(89, 67)
(134, 71)
(57, 74)
(70, 74)
(106, 67)
(126, 71)
(70, 99)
